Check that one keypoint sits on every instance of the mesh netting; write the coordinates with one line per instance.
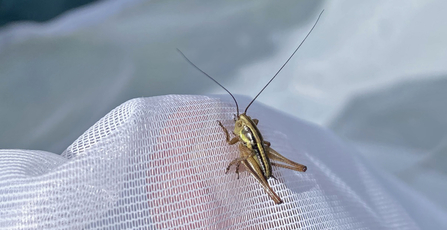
(159, 163)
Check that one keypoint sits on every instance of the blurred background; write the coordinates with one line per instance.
(373, 71)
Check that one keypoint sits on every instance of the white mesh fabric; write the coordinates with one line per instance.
(159, 163)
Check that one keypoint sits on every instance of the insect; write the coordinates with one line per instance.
(255, 153)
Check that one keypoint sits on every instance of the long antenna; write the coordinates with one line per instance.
(190, 62)
(285, 62)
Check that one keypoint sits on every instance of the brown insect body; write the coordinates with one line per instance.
(255, 153)
(246, 129)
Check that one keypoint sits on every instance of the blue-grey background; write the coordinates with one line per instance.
(372, 71)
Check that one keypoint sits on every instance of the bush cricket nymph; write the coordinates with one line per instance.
(255, 153)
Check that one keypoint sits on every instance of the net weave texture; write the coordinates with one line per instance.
(159, 163)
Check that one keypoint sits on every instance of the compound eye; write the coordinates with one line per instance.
(239, 124)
